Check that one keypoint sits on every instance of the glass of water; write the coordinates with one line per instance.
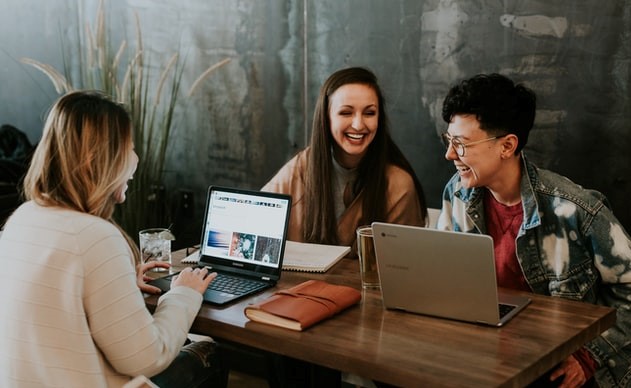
(155, 245)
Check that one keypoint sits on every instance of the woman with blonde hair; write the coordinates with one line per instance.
(72, 312)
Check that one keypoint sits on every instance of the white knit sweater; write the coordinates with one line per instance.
(71, 314)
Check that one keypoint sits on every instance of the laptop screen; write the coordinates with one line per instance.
(245, 229)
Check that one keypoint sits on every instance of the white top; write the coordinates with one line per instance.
(71, 314)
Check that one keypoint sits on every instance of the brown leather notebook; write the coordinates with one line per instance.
(304, 305)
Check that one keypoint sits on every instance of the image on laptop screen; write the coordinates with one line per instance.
(244, 227)
(243, 240)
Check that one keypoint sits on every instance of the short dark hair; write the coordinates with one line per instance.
(500, 105)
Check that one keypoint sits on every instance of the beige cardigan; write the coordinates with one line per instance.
(401, 198)
(71, 312)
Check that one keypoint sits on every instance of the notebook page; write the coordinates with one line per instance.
(192, 258)
(310, 257)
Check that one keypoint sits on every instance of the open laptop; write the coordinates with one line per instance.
(243, 240)
(441, 273)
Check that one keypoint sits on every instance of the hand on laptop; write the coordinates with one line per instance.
(197, 279)
(141, 278)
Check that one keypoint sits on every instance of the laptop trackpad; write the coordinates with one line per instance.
(212, 296)
(217, 297)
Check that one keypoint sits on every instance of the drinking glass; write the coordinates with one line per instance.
(155, 245)
(367, 258)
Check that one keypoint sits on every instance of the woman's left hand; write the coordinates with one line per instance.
(141, 278)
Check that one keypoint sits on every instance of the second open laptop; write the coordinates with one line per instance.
(243, 240)
(441, 273)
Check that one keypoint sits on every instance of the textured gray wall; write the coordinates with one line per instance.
(254, 113)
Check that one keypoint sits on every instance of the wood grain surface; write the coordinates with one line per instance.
(408, 349)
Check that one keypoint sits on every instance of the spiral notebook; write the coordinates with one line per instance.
(308, 257)
(299, 256)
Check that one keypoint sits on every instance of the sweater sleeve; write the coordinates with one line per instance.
(132, 340)
(403, 206)
(289, 180)
(287, 177)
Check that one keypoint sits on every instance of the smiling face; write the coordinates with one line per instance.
(354, 118)
(481, 162)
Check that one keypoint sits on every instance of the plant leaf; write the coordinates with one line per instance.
(163, 77)
(59, 81)
(206, 74)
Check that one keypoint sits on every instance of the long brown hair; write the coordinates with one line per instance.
(83, 156)
(371, 183)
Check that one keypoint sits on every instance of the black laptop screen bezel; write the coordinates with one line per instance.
(228, 265)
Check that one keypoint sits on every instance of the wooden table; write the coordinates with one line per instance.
(409, 350)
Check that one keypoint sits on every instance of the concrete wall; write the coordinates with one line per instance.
(254, 113)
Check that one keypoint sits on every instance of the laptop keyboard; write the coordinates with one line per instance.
(505, 309)
(234, 285)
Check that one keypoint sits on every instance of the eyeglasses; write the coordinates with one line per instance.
(459, 146)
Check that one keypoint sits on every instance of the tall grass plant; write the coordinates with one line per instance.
(125, 74)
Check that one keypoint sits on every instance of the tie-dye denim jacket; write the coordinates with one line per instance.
(569, 245)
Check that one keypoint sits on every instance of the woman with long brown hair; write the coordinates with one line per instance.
(352, 173)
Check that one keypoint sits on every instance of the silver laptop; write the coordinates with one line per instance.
(441, 273)
(243, 240)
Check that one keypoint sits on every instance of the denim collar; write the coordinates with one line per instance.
(529, 181)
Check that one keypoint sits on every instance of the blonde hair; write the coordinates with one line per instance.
(83, 156)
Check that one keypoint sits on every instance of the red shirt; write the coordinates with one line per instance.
(503, 223)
